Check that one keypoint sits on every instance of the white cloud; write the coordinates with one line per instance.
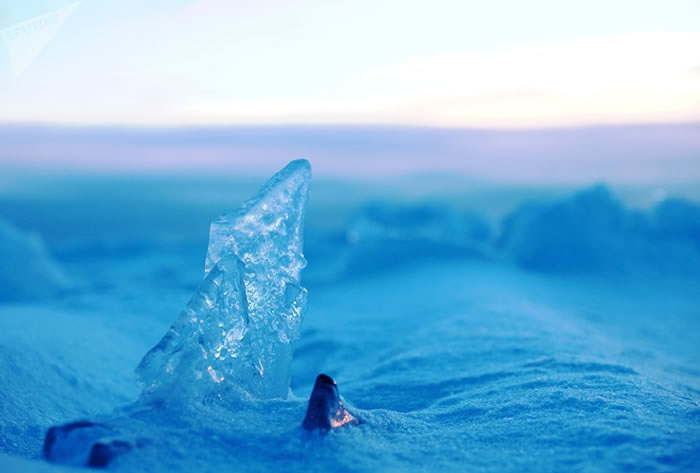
(642, 77)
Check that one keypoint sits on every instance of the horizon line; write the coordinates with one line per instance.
(339, 125)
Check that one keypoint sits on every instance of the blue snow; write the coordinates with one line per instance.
(557, 334)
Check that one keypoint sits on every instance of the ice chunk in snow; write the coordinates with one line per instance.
(240, 326)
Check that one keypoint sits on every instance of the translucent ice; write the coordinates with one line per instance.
(239, 328)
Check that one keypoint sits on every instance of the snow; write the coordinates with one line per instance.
(28, 271)
(453, 360)
(592, 231)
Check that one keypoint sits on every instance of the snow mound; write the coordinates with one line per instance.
(386, 235)
(592, 232)
(27, 269)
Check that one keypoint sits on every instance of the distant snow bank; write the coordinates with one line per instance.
(589, 232)
(27, 269)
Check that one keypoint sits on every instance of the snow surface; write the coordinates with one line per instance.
(461, 357)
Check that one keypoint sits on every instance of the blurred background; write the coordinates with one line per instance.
(116, 102)
(123, 122)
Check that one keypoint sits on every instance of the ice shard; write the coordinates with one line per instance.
(239, 328)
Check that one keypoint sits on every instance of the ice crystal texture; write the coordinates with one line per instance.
(239, 328)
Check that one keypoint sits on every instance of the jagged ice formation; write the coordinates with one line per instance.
(239, 328)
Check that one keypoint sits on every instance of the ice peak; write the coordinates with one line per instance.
(268, 228)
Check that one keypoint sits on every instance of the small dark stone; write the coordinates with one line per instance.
(325, 410)
(103, 453)
(53, 433)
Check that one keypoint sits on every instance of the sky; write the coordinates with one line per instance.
(496, 64)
